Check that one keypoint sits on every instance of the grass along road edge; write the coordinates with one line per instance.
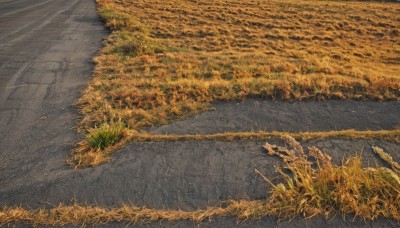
(312, 186)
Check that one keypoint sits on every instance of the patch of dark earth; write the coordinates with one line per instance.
(46, 47)
(255, 114)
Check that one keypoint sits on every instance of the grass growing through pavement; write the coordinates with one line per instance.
(312, 186)
(166, 60)
(106, 135)
(92, 151)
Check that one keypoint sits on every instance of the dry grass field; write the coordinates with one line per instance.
(166, 60)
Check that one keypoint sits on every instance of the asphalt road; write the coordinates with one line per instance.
(46, 47)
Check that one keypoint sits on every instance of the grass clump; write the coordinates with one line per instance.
(130, 44)
(106, 135)
(316, 186)
(99, 144)
(116, 20)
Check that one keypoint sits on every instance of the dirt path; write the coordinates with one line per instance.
(45, 52)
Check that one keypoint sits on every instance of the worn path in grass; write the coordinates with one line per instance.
(45, 52)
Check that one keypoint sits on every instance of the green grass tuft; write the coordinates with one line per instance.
(106, 135)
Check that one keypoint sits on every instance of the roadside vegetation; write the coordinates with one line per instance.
(167, 60)
(93, 155)
(311, 186)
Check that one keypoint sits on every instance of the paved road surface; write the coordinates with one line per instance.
(46, 47)
(45, 52)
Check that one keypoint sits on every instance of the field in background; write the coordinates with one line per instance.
(169, 59)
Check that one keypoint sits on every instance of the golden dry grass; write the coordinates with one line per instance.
(84, 215)
(85, 155)
(312, 186)
(316, 186)
(166, 60)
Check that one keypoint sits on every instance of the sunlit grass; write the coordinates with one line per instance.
(316, 186)
(106, 135)
(167, 60)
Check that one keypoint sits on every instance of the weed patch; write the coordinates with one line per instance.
(106, 135)
(318, 187)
